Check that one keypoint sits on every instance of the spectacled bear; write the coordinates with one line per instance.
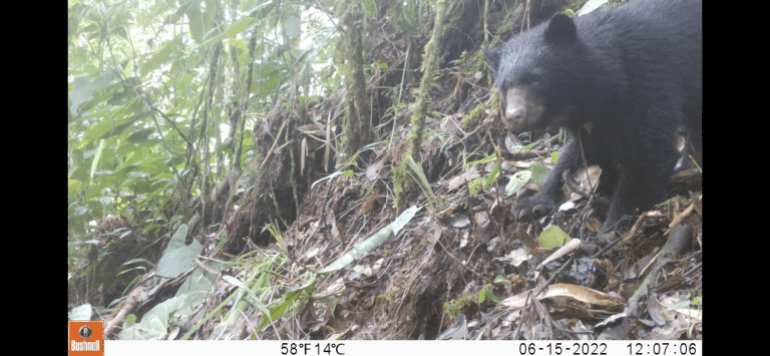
(623, 83)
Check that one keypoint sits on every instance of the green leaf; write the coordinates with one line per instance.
(501, 279)
(81, 312)
(158, 58)
(348, 173)
(231, 31)
(178, 258)
(140, 135)
(539, 174)
(291, 27)
(417, 169)
(187, 299)
(517, 181)
(83, 90)
(275, 312)
(196, 22)
(492, 176)
(494, 298)
(373, 242)
(254, 301)
(98, 155)
(238, 44)
(553, 237)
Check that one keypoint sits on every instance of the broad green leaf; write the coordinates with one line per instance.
(231, 31)
(553, 237)
(178, 258)
(517, 181)
(158, 58)
(539, 174)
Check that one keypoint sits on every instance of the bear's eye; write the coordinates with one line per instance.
(534, 77)
(533, 80)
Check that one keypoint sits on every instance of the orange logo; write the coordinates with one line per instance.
(86, 337)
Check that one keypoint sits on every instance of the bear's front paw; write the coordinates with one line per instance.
(534, 207)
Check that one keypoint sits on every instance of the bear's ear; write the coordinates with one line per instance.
(493, 57)
(561, 29)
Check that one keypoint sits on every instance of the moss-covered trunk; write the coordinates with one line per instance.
(357, 118)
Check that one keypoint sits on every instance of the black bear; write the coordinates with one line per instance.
(623, 82)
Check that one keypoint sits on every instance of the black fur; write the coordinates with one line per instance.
(622, 82)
